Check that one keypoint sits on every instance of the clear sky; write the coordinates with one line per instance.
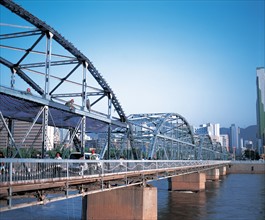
(194, 58)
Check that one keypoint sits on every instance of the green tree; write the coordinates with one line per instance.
(251, 154)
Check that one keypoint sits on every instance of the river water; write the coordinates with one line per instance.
(235, 197)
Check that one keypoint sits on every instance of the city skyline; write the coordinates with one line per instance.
(197, 59)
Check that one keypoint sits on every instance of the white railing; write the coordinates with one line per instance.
(248, 162)
(19, 173)
(13, 170)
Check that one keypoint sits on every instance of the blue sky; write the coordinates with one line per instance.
(194, 58)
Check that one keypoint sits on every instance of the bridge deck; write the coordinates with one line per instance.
(32, 177)
(18, 105)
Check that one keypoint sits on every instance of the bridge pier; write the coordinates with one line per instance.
(189, 182)
(222, 171)
(212, 174)
(121, 204)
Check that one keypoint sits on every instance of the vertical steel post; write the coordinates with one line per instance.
(109, 127)
(45, 130)
(178, 149)
(109, 105)
(49, 36)
(84, 85)
(200, 149)
(10, 141)
(109, 130)
(13, 79)
(83, 133)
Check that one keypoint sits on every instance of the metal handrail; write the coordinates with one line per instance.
(15, 170)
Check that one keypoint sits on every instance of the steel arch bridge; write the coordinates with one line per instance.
(35, 56)
(207, 149)
(162, 136)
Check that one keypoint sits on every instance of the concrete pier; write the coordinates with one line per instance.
(212, 174)
(189, 182)
(222, 171)
(121, 204)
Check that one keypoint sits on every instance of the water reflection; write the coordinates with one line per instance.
(236, 196)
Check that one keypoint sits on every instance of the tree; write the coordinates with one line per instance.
(251, 154)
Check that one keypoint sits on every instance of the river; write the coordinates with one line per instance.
(235, 197)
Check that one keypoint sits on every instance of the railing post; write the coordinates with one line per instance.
(67, 178)
(44, 131)
(10, 172)
(102, 173)
(10, 185)
(143, 179)
(156, 169)
(126, 169)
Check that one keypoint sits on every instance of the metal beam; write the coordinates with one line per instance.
(24, 76)
(10, 136)
(69, 47)
(30, 49)
(19, 34)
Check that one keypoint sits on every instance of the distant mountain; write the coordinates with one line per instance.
(225, 131)
(248, 133)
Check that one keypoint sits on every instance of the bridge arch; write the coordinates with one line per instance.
(162, 136)
(38, 59)
(155, 136)
(76, 64)
(209, 149)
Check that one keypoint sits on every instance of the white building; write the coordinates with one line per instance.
(224, 140)
(213, 130)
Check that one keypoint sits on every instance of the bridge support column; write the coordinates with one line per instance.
(212, 174)
(121, 204)
(222, 171)
(189, 182)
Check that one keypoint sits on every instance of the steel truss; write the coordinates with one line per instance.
(67, 56)
(54, 71)
(48, 65)
(168, 136)
(208, 149)
(162, 136)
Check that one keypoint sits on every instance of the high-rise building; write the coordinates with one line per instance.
(24, 135)
(261, 108)
(234, 141)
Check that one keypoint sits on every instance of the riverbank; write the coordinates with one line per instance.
(246, 167)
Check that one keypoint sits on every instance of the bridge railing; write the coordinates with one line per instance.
(15, 170)
(248, 161)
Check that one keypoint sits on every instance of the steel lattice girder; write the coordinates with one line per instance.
(69, 56)
(166, 131)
